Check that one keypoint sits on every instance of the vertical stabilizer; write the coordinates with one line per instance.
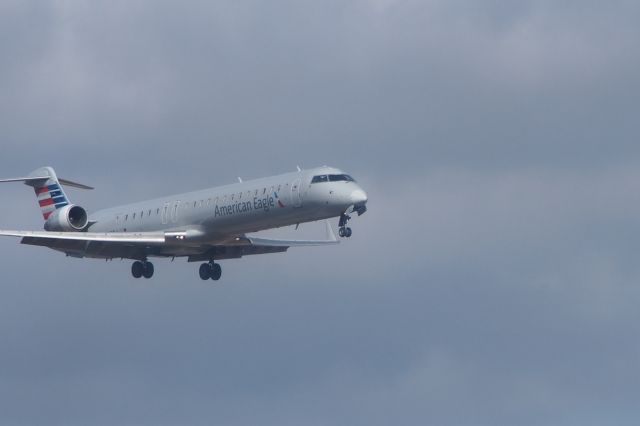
(48, 190)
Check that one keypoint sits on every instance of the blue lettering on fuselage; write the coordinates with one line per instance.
(265, 204)
(231, 209)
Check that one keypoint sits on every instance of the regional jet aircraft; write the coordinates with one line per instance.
(203, 226)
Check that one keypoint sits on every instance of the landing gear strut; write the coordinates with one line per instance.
(210, 270)
(142, 269)
(344, 231)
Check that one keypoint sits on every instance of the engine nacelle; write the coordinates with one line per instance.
(67, 219)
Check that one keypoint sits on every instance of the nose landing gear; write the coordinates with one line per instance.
(344, 231)
(210, 270)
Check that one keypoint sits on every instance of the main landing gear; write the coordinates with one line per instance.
(142, 269)
(210, 270)
(344, 231)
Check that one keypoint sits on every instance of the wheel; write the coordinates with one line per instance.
(216, 272)
(205, 271)
(147, 272)
(341, 232)
(137, 269)
(347, 232)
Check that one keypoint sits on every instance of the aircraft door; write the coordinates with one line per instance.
(165, 214)
(296, 198)
(174, 211)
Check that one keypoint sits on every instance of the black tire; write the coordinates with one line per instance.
(216, 272)
(148, 270)
(205, 271)
(341, 232)
(347, 232)
(137, 269)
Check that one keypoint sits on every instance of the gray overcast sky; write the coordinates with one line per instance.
(494, 280)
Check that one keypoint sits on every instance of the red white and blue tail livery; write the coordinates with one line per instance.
(50, 194)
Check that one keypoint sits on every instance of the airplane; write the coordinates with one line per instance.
(204, 226)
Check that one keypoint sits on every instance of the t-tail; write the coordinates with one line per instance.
(48, 189)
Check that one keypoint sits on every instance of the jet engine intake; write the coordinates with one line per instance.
(69, 218)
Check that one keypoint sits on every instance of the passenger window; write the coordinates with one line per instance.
(158, 211)
(134, 216)
(126, 217)
(264, 190)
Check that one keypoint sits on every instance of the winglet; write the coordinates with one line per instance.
(331, 236)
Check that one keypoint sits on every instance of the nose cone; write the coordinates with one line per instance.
(358, 197)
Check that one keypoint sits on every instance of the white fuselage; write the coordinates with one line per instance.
(215, 213)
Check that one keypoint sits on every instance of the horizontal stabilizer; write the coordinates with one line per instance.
(74, 184)
(41, 179)
(26, 179)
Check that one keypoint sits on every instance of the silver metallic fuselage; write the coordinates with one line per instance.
(215, 214)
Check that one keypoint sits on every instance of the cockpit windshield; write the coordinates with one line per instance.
(332, 178)
(340, 178)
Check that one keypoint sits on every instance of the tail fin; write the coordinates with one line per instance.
(48, 189)
(50, 194)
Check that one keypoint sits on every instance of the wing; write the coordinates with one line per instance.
(267, 242)
(245, 245)
(139, 245)
(100, 245)
(42, 237)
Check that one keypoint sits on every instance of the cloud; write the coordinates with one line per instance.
(491, 282)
